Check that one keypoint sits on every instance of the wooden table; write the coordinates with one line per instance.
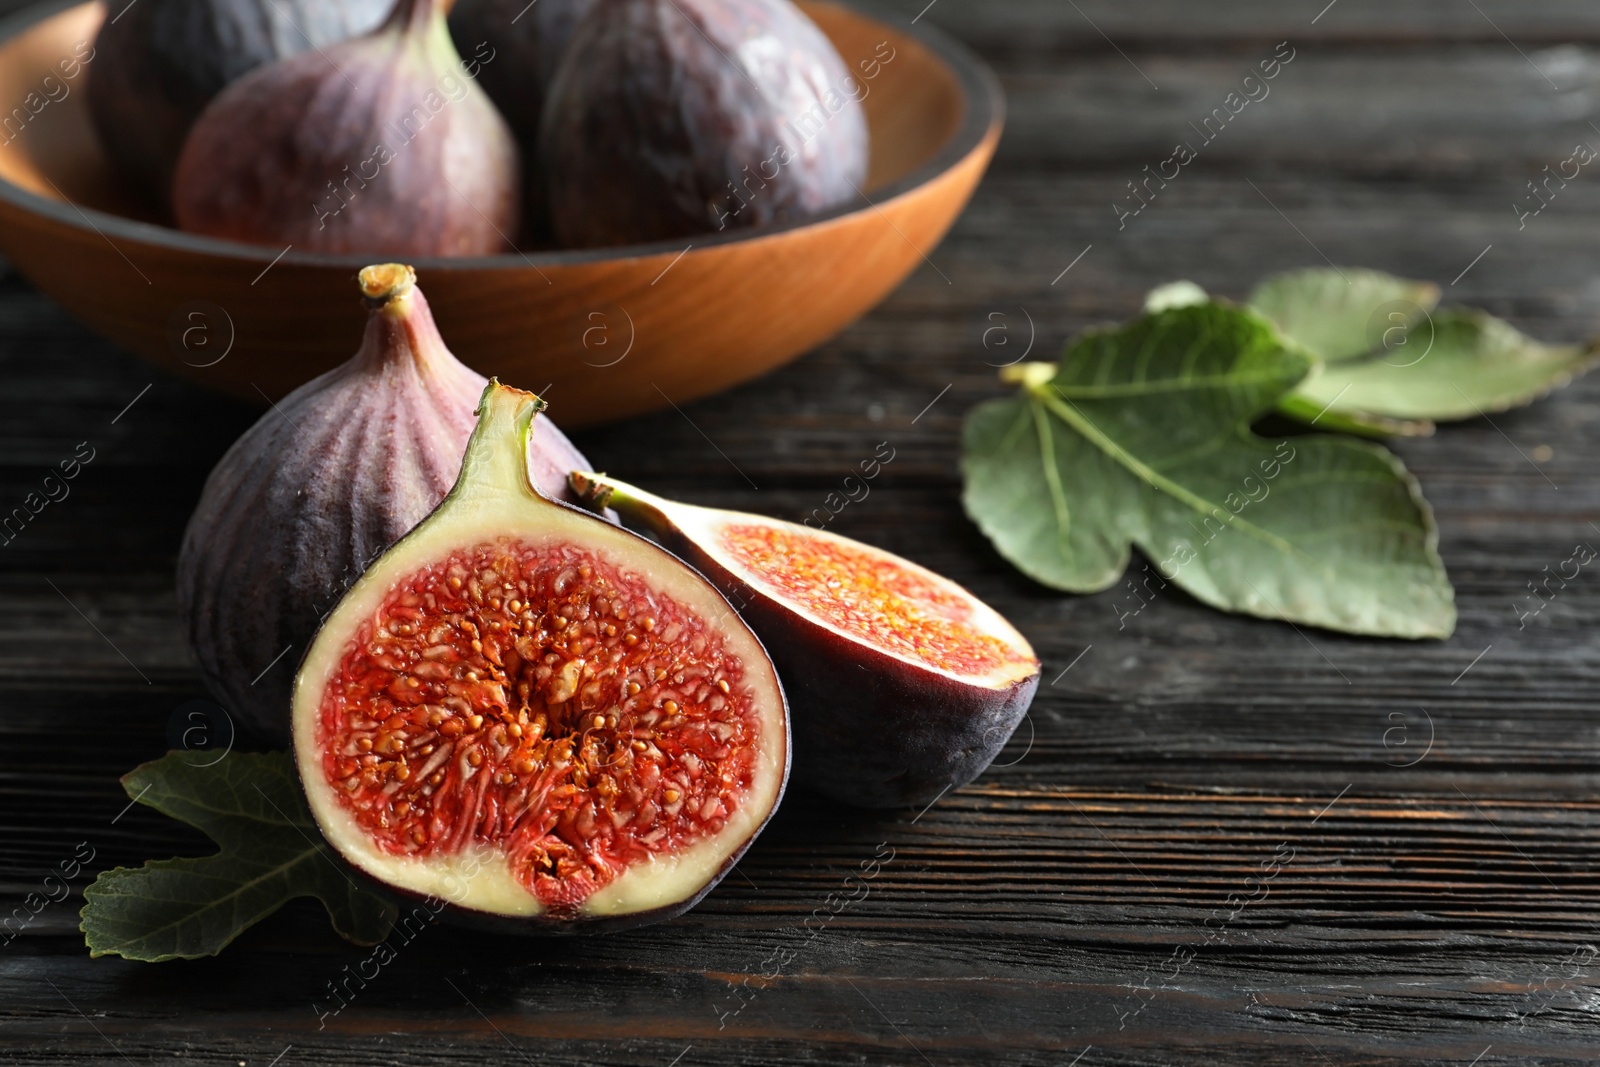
(1431, 806)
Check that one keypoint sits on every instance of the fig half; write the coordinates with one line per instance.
(903, 684)
(535, 714)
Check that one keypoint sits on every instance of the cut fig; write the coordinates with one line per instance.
(903, 684)
(535, 714)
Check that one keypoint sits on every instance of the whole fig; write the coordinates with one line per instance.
(526, 42)
(669, 118)
(331, 476)
(382, 144)
(530, 38)
(159, 63)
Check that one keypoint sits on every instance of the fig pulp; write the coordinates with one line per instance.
(332, 475)
(383, 144)
(669, 118)
(533, 713)
(903, 684)
(159, 62)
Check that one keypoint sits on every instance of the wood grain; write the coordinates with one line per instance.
(1442, 903)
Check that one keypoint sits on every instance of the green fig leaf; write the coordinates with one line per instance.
(1295, 405)
(1343, 314)
(1393, 363)
(1298, 406)
(1141, 436)
(1459, 365)
(271, 852)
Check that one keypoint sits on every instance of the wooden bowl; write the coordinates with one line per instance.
(609, 332)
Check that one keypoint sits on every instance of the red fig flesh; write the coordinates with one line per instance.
(903, 684)
(536, 714)
(383, 144)
(333, 474)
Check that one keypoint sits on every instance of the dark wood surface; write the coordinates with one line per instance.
(1432, 807)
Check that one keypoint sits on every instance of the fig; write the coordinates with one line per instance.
(328, 478)
(159, 62)
(669, 118)
(902, 684)
(535, 715)
(382, 144)
(525, 42)
(530, 39)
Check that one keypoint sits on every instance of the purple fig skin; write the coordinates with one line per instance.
(160, 62)
(526, 44)
(670, 118)
(868, 728)
(326, 480)
(531, 41)
(383, 145)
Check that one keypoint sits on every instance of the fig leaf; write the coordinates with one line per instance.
(1393, 363)
(1344, 314)
(271, 852)
(1141, 436)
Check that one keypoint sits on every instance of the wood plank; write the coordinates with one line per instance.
(1102, 26)
(1469, 109)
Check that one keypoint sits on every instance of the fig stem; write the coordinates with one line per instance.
(598, 492)
(1028, 375)
(383, 283)
(593, 489)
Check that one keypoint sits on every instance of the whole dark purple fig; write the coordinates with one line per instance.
(160, 62)
(383, 144)
(335, 473)
(524, 43)
(669, 118)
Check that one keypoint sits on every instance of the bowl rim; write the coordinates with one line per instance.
(983, 113)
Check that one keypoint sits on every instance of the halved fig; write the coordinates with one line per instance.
(902, 684)
(534, 714)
